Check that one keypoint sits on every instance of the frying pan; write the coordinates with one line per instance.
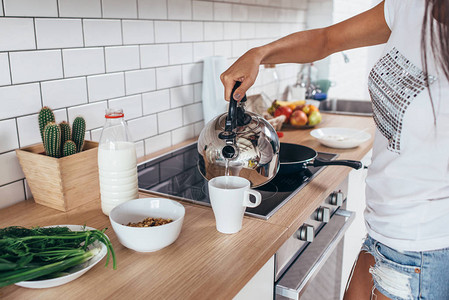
(296, 158)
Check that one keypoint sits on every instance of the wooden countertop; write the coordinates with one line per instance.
(202, 263)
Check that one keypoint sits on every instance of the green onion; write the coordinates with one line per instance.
(27, 254)
(12, 277)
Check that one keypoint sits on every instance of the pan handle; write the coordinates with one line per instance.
(318, 162)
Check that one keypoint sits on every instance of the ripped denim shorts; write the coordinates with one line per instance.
(407, 275)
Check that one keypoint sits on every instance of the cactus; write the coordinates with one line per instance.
(52, 139)
(69, 148)
(59, 135)
(66, 133)
(45, 116)
(78, 132)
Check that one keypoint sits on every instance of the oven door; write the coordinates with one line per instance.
(303, 279)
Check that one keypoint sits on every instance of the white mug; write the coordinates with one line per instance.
(229, 197)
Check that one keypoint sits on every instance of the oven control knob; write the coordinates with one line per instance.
(336, 198)
(305, 233)
(323, 214)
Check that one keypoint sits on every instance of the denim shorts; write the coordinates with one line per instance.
(407, 274)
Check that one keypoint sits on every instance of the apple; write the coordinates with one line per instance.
(306, 109)
(299, 107)
(314, 118)
(283, 110)
(298, 118)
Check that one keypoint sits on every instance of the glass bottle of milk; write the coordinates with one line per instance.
(117, 162)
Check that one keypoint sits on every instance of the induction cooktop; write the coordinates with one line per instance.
(176, 175)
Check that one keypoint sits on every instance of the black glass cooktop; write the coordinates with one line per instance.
(176, 175)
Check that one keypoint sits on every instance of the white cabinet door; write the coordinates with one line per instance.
(355, 202)
(261, 286)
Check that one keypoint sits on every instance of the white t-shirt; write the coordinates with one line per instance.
(407, 193)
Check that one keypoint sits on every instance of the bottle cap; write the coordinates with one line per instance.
(114, 113)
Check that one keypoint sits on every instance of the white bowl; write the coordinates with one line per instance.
(147, 239)
(342, 138)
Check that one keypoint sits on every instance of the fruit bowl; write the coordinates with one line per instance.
(299, 114)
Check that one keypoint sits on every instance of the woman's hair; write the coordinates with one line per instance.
(435, 31)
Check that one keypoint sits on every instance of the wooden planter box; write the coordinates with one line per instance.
(61, 183)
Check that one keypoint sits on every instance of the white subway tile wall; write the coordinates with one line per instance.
(153, 56)
(29, 66)
(203, 10)
(152, 9)
(167, 31)
(145, 56)
(180, 53)
(58, 33)
(168, 77)
(137, 32)
(154, 102)
(119, 9)
(80, 8)
(5, 77)
(17, 34)
(64, 92)
(131, 105)
(31, 8)
(158, 142)
(140, 81)
(191, 31)
(83, 61)
(181, 134)
(122, 58)
(102, 87)
(102, 32)
(181, 96)
(169, 120)
(10, 139)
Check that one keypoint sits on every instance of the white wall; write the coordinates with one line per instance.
(81, 56)
(350, 78)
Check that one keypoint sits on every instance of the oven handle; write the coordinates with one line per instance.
(306, 266)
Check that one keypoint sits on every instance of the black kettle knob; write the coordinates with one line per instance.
(236, 116)
(231, 118)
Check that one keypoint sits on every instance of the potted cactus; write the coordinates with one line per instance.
(59, 139)
(62, 171)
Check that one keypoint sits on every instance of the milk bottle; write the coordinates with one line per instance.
(117, 162)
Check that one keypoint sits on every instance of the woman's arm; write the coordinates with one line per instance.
(366, 29)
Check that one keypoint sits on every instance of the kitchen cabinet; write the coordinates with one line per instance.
(202, 263)
(355, 202)
(261, 286)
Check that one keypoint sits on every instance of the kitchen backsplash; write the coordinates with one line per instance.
(80, 57)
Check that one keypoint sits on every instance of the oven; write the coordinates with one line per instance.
(309, 264)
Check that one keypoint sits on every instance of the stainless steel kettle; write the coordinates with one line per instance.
(239, 143)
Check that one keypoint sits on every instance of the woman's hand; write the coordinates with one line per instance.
(245, 70)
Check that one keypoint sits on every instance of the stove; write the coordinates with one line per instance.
(176, 175)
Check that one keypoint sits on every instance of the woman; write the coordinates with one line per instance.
(406, 252)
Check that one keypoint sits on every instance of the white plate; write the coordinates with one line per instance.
(75, 271)
(342, 138)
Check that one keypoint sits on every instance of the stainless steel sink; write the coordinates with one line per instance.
(347, 107)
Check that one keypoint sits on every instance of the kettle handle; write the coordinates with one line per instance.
(231, 119)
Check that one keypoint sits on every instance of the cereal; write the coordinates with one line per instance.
(150, 222)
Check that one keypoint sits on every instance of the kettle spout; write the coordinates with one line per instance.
(228, 151)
